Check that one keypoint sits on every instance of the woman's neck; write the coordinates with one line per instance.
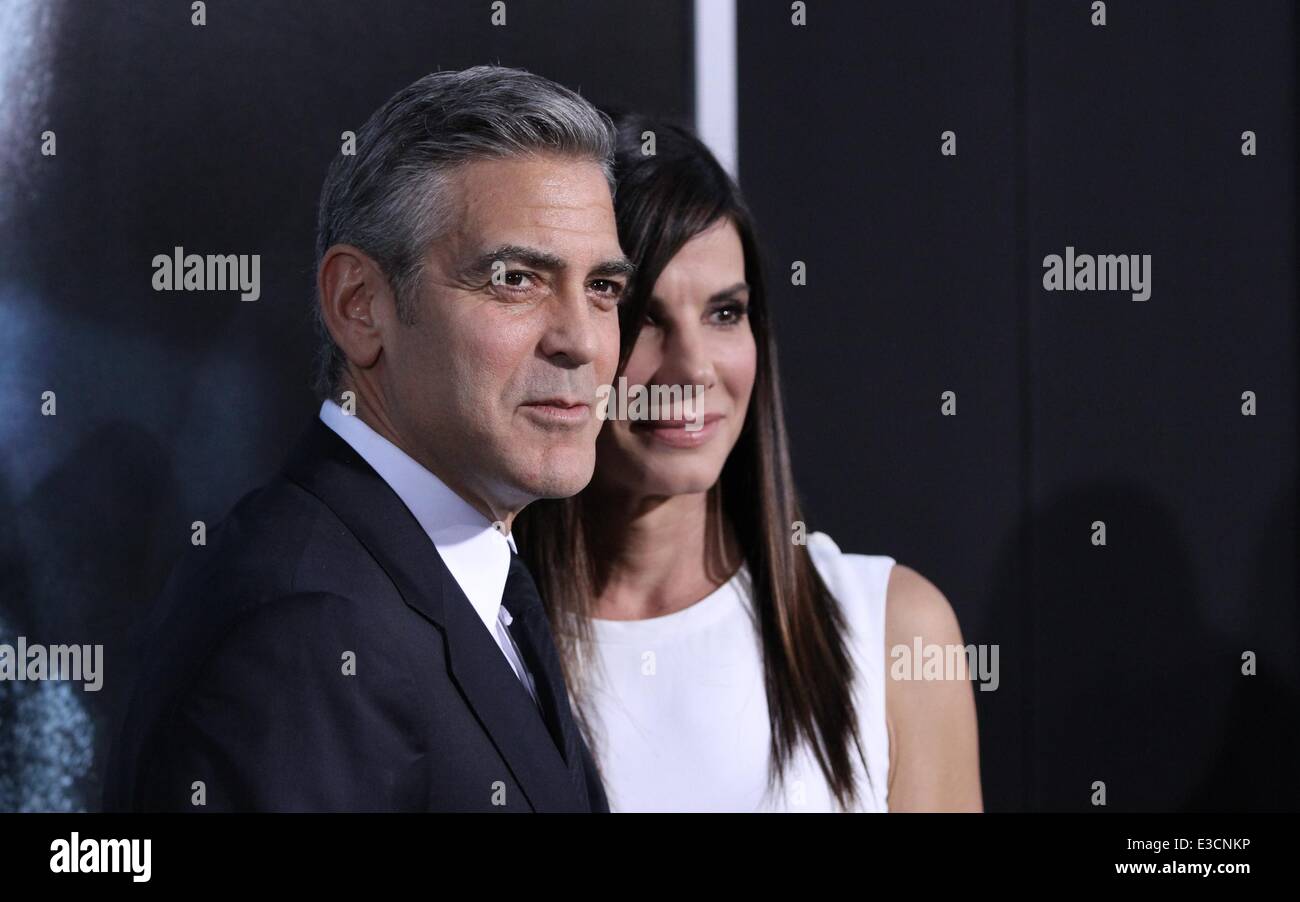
(659, 555)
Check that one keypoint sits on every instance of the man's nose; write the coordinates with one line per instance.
(573, 331)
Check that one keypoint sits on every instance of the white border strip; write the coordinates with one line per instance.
(715, 80)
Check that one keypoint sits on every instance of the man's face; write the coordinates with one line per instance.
(516, 325)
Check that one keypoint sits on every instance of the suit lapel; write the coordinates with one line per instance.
(328, 467)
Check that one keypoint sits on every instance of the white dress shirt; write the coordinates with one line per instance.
(477, 554)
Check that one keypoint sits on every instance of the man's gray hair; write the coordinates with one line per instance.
(391, 198)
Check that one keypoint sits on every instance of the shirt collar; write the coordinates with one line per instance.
(477, 555)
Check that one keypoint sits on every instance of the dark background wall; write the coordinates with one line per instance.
(1119, 664)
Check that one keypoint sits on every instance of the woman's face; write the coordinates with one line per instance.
(696, 333)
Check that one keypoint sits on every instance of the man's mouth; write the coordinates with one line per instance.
(559, 411)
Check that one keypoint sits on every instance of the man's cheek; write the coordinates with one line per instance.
(609, 364)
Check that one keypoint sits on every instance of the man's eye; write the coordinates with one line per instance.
(608, 288)
(515, 279)
(608, 293)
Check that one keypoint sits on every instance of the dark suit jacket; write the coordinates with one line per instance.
(243, 686)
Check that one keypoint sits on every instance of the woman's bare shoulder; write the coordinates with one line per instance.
(915, 606)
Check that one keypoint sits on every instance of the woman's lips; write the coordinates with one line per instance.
(674, 433)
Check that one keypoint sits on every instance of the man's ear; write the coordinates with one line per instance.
(356, 301)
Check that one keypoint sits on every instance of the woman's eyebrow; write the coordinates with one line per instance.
(728, 292)
(722, 295)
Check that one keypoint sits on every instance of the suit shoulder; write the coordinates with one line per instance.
(271, 526)
(276, 541)
(279, 560)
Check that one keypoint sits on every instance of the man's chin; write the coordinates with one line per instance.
(561, 476)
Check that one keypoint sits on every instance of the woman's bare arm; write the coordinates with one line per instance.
(933, 734)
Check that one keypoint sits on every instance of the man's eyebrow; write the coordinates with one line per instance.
(536, 258)
(620, 266)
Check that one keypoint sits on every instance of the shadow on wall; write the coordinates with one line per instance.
(1255, 764)
(1115, 676)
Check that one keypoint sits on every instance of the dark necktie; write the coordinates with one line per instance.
(532, 633)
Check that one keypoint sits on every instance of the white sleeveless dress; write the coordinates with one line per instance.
(679, 712)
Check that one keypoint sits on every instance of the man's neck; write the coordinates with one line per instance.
(374, 414)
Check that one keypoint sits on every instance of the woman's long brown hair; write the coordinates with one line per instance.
(662, 201)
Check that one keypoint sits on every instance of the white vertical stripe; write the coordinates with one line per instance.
(715, 80)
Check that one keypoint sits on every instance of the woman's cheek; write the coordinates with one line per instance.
(739, 368)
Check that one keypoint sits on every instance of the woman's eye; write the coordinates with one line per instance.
(730, 314)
